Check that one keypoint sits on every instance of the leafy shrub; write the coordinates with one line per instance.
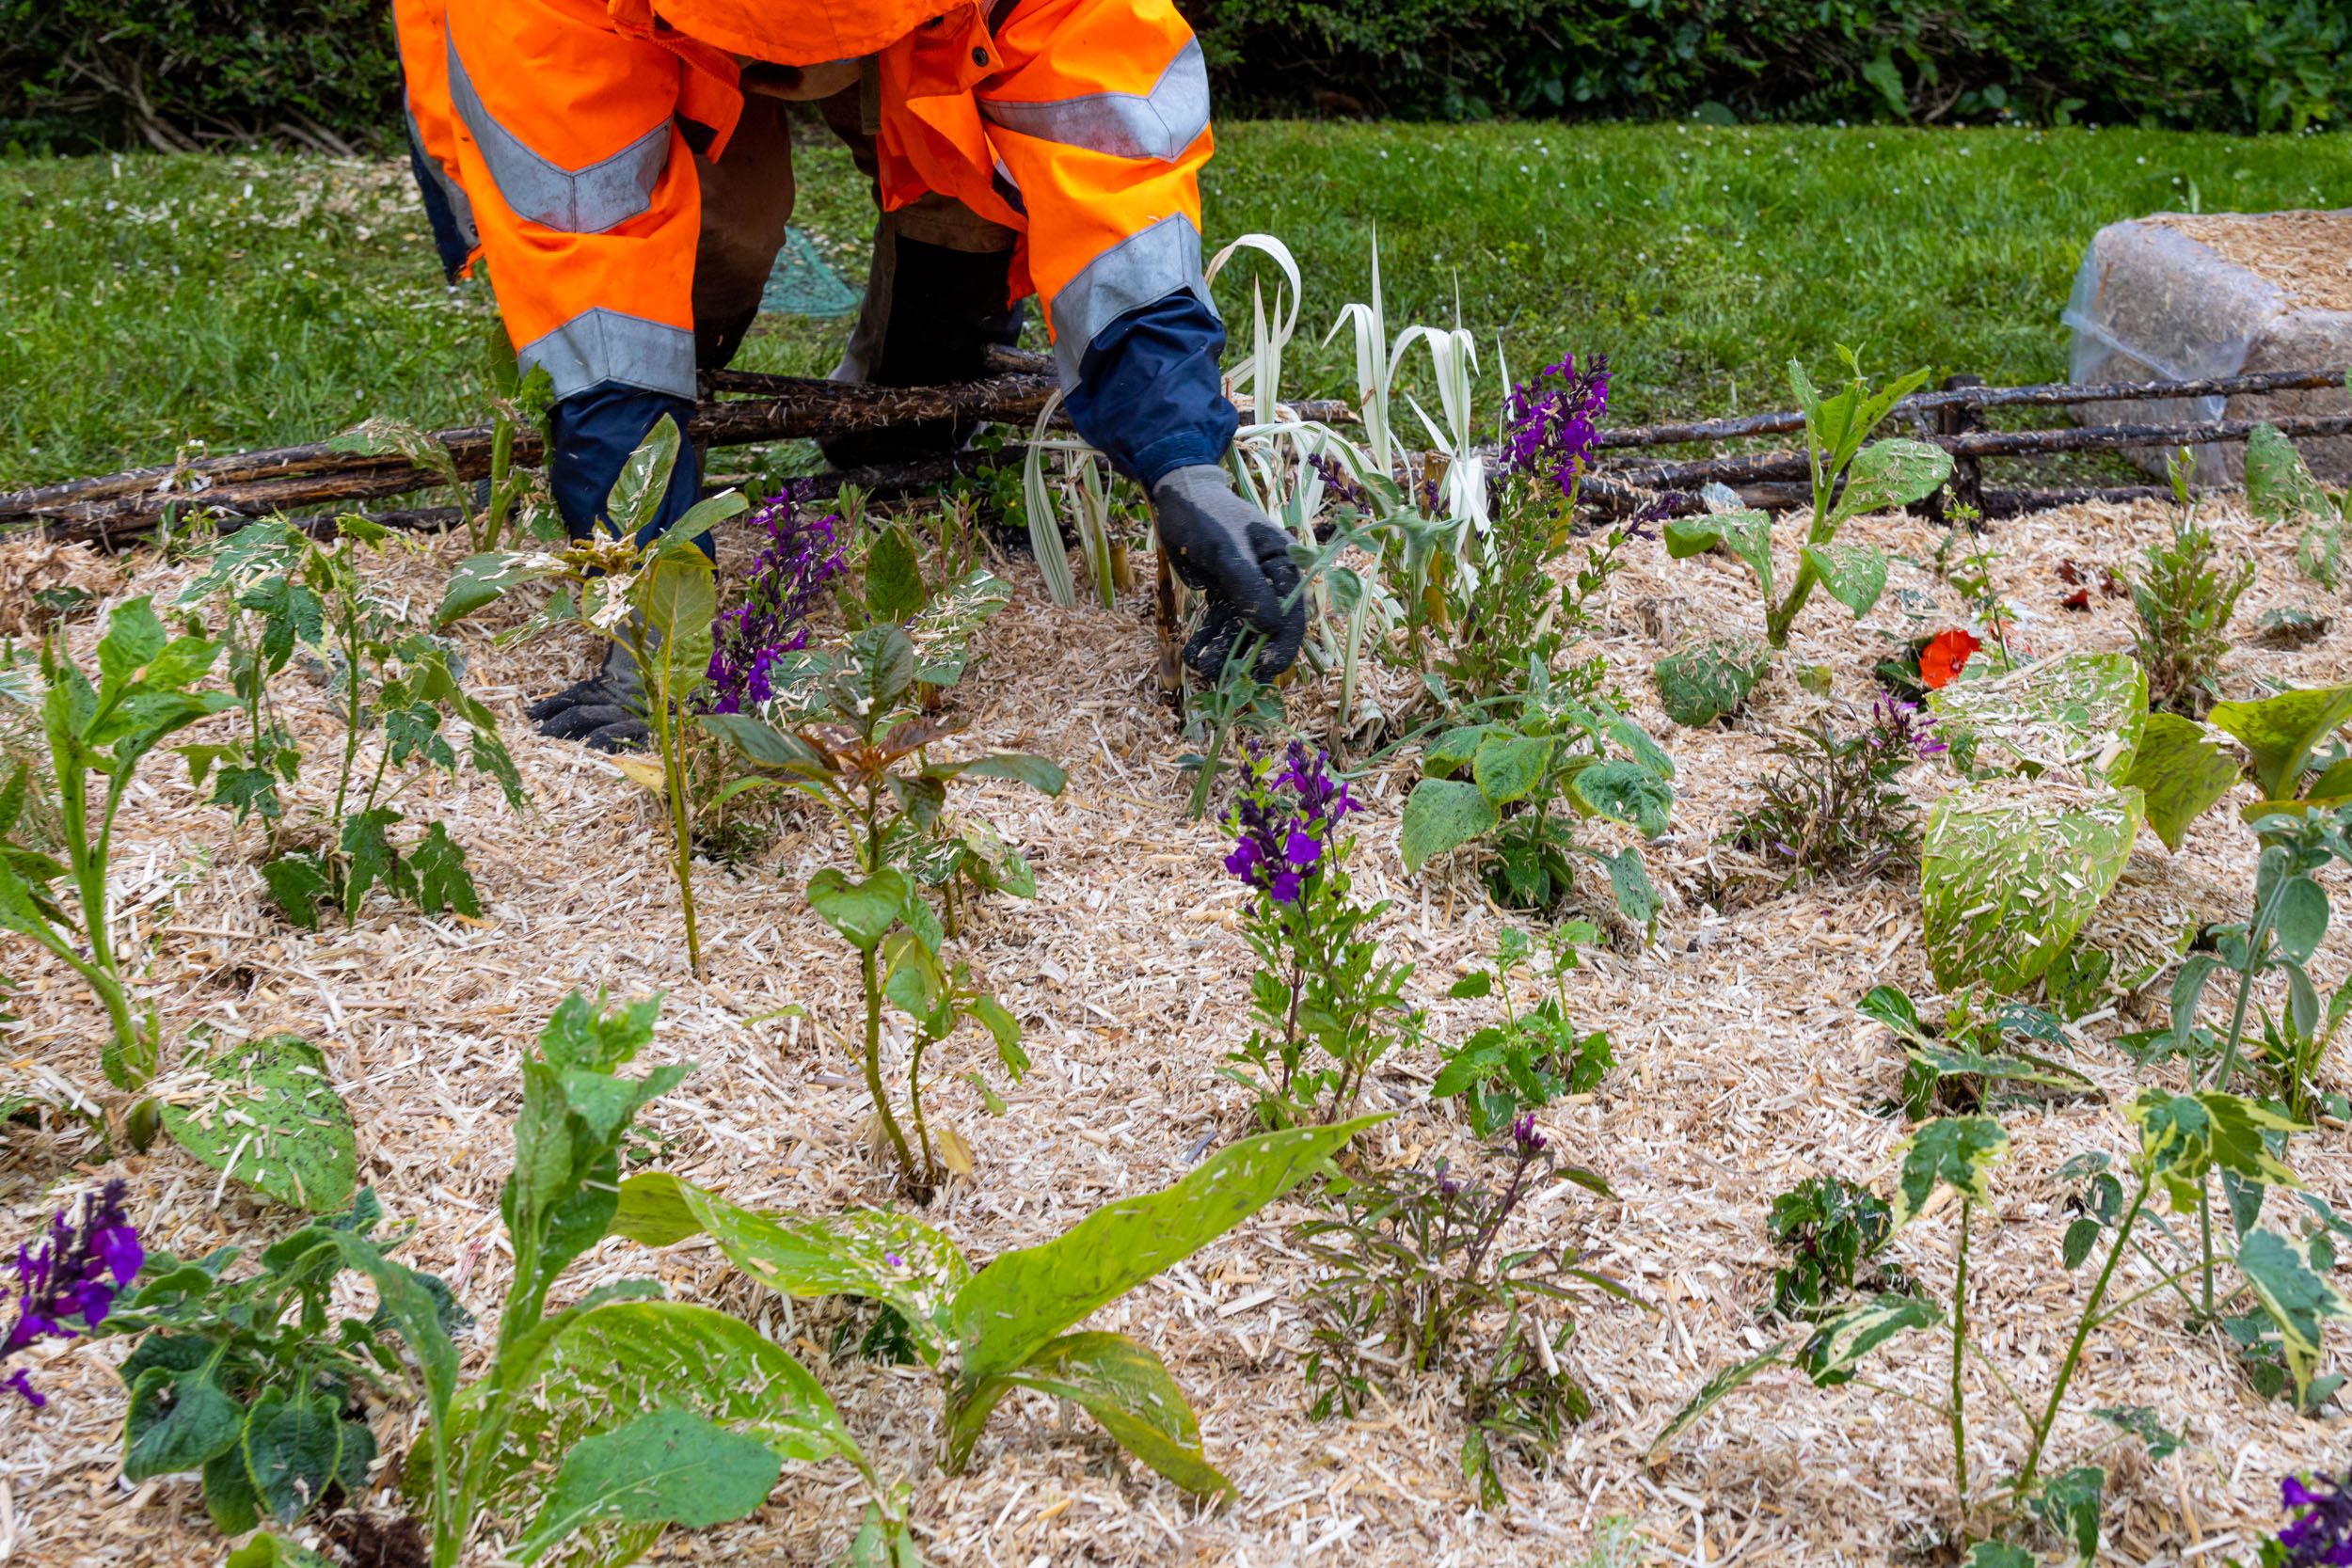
(1831, 808)
(2200, 63)
(1707, 680)
(1830, 1227)
(1530, 1058)
(1411, 1280)
(2184, 597)
(178, 74)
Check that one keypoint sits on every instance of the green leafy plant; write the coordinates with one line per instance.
(1563, 749)
(623, 1395)
(1883, 474)
(1832, 807)
(264, 1111)
(1532, 1058)
(1320, 982)
(2295, 767)
(871, 766)
(654, 597)
(252, 1379)
(2181, 1140)
(1006, 1326)
(1830, 1228)
(2009, 872)
(2279, 489)
(280, 592)
(1967, 1064)
(2184, 598)
(1413, 1275)
(100, 730)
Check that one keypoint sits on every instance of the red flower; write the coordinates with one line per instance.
(1946, 655)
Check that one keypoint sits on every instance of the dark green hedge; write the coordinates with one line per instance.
(82, 74)
(2223, 65)
(76, 74)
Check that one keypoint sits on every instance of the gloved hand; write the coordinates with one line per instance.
(1221, 544)
(605, 712)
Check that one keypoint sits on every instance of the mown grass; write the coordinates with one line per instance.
(147, 302)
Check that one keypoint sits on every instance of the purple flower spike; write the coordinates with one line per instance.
(1554, 421)
(1282, 824)
(75, 1273)
(802, 556)
(2323, 1535)
(1529, 1142)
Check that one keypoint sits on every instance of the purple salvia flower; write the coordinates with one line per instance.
(1523, 1134)
(1282, 824)
(786, 579)
(75, 1273)
(2323, 1534)
(1555, 419)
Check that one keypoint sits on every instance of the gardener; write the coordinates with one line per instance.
(627, 175)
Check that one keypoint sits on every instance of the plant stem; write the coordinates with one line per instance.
(922, 1133)
(1777, 621)
(1960, 1349)
(2027, 1476)
(869, 974)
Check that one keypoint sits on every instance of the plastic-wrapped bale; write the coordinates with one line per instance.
(2179, 296)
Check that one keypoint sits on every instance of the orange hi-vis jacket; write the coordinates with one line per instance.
(562, 129)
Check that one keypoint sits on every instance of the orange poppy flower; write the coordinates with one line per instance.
(1945, 657)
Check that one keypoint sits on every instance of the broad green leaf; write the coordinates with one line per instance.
(1026, 1297)
(2143, 1423)
(894, 580)
(177, 1421)
(2079, 713)
(762, 742)
(2008, 876)
(1456, 747)
(863, 911)
(270, 1551)
(1124, 1387)
(638, 490)
(2279, 733)
(2297, 1295)
(1713, 1391)
(2069, 1504)
(2183, 1138)
(1952, 1152)
(1950, 1059)
(1636, 895)
(292, 1446)
(667, 1468)
(271, 1119)
(1854, 575)
(942, 634)
(2278, 488)
(1839, 1345)
(2301, 921)
(1442, 815)
(229, 1499)
(1637, 743)
(605, 1368)
(1708, 679)
(676, 597)
(889, 1258)
(1689, 536)
(298, 885)
(1895, 1009)
(1625, 791)
(1042, 774)
(880, 666)
(481, 579)
(2180, 773)
(1749, 536)
(1507, 767)
(1892, 473)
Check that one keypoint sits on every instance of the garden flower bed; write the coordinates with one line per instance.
(1741, 1066)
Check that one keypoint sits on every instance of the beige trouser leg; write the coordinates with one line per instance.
(747, 201)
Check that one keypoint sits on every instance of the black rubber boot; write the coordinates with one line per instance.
(605, 712)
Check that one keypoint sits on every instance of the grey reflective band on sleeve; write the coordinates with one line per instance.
(460, 206)
(587, 200)
(601, 346)
(1158, 124)
(1145, 267)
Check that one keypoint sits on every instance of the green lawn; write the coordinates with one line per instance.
(148, 301)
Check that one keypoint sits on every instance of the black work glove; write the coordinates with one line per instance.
(1221, 545)
(605, 712)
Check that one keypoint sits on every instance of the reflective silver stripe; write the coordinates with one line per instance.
(1146, 266)
(460, 207)
(584, 201)
(602, 345)
(1158, 124)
